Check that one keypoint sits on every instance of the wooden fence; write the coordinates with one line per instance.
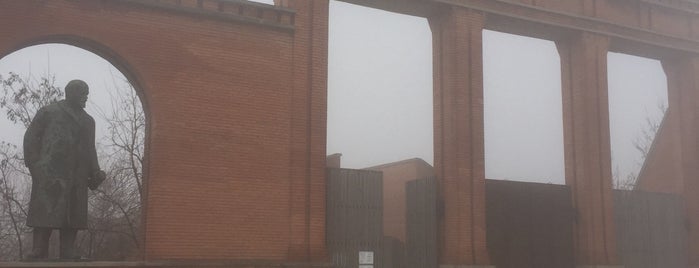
(651, 229)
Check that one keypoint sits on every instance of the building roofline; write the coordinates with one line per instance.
(401, 162)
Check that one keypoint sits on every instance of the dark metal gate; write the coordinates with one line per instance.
(651, 229)
(354, 216)
(355, 222)
(529, 224)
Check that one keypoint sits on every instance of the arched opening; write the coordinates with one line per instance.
(35, 76)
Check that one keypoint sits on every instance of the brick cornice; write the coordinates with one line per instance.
(239, 11)
(571, 21)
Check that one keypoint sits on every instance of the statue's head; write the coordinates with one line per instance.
(76, 93)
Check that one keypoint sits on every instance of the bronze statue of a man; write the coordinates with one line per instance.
(59, 150)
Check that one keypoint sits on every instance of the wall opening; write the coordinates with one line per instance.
(380, 127)
(35, 76)
(638, 101)
(379, 86)
(523, 109)
(646, 165)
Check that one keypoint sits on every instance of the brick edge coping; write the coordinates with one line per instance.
(285, 17)
(170, 263)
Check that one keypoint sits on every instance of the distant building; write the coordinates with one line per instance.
(333, 161)
(395, 177)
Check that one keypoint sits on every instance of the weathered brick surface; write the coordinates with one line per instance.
(166, 264)
(663, 169)
(458, 133)
(236, 105)
(236, 120)
(307, 133)
(683, 85)
(587, 147)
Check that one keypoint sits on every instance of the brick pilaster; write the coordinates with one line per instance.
(683, 89)
(458, 135)
(587, 146)
(308, 130)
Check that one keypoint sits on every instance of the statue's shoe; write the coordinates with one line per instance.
(73, 258)
(36, 257)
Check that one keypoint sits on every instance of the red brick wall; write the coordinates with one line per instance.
(587, 146)
(236, 120)
(308, 135)
(683, 85)
(662, 169)
(459, 153)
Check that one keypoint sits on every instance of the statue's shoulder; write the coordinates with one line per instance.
(89, 118)
(51, 108)
(86, 119)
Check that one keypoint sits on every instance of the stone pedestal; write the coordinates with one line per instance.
(465, 266)
(167, 264)
(599, 266)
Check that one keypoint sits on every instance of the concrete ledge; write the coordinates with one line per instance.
(167, 264)
(599, 266)
(465, 266)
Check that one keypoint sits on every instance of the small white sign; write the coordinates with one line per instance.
(366, 257)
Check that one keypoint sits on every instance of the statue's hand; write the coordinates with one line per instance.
(32, 168)
(100, 175)
(96, 179)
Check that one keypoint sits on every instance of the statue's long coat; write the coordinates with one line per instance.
(59, 150)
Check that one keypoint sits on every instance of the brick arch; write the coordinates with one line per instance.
(234, 95)
(90, 45)
(122, 66)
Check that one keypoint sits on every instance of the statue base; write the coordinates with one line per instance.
(465, 266)
(599, 266)
(165, 264)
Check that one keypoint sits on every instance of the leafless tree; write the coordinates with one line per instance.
(116, 206)
(21, 98)
(643, 144)
(13, 210)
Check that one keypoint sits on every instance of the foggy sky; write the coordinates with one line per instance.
(380, 94)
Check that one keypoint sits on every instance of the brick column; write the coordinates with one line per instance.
(308, 130)
(683, 89)
(587, 147)
(458, 136)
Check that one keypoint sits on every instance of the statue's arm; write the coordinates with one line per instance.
(97, 176)
(94, 163)
(32, 138)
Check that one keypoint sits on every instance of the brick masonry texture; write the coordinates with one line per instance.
(236, 123)
(236, 107)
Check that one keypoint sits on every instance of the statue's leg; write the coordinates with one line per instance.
(40, 243)
(68, 243)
